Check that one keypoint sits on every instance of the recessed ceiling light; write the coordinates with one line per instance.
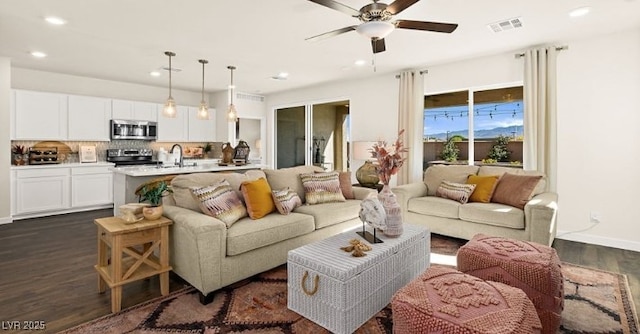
(55, 20)
(280, 76)
(580, 11)
(154, 73)
(360, 62)
(38, 54)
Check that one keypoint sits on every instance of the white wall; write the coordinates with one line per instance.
(598, 139)
(5, 142)
(71, 84)
(373, 108)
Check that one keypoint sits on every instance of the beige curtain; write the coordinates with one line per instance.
(540, 113)
(410, 110)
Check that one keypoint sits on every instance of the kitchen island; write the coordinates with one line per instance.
(127, 179)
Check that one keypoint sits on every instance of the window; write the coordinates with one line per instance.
(475, 123)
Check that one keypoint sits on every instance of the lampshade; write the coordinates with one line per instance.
(203, 109)
(258, 144)
(362, 150)
(375, 29)
(169, 109)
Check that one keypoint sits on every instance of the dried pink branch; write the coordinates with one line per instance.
(389, 158)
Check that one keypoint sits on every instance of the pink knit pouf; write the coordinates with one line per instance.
(529, 266)
(445, 301)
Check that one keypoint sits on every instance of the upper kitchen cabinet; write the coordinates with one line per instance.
(39, 115)
(202, 130)
(134, 110)
(174, 129)
(89, 118)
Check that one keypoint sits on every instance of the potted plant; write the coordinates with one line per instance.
(152, 193)
(18, 155)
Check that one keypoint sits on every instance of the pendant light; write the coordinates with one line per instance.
(232, 114)
(169, 109)
(203, 109)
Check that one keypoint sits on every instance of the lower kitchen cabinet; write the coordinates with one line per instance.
(39, 190)
(48, 190)
(91, 186)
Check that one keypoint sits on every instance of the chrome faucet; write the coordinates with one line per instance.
(180, 163)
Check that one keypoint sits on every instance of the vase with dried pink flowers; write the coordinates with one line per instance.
(389, 160)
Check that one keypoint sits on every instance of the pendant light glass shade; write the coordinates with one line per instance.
(232, 113)
(203, 109)
(169, 109)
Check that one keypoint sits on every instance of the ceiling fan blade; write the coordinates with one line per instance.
(400, 5)
(338, 6)
(330, 34)
(424, 25)
(378, 45)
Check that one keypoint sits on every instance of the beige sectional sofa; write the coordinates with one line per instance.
(209, 255)
(420, 205)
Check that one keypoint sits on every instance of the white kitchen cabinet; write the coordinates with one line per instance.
(174, 129)
(89, 118)
(39, 116)
(134, 110)
(43, 189)
(91, 186)
(201, 130)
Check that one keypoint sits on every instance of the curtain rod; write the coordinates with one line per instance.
(558, 48)
(421, 73)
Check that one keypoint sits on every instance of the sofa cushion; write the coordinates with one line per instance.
(434, 206)
(220, 201)
(331, 213)
(515, 190)
(493, 214)
(497, 170)
(286, 200)
(182, 183)
(485, 186)
(257, 198)
(345, 185)
(456, 191)
(321, 188)
(247, 234)
(289, 178)
(434, 175)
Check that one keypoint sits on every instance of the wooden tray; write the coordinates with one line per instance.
(63, 149)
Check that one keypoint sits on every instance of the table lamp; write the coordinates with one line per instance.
(366, 175)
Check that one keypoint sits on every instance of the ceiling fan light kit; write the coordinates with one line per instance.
(377, 23)
(169, 109)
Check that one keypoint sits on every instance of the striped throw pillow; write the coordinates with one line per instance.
(220, 201)
(321, 188)
(456, 191)
(286, 200)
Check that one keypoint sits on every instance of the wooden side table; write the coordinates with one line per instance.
(132, 258)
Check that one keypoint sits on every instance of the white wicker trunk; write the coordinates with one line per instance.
(350, 290)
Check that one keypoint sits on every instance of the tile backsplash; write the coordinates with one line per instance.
(101, 147)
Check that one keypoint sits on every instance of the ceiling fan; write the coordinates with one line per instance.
(376, 21)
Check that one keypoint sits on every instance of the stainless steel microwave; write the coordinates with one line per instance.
(133, 130)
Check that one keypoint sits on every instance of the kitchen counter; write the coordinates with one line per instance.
(127, 179)
(200, 168)
(63, 165)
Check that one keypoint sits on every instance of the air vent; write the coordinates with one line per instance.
(505, 25)
(250, 97)
(173, 69)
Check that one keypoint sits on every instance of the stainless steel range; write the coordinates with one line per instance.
(131, 156)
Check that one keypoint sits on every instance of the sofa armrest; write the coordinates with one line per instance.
(197, 246)
(362, 192)
(540, 216)
(408, 191)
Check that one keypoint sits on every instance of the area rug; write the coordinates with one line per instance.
(596, 301)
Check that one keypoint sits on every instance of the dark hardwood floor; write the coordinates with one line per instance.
(47, 274)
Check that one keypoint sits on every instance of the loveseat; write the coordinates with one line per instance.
(209, 254)
(530, 214)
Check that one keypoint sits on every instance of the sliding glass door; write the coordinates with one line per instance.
(313, 134)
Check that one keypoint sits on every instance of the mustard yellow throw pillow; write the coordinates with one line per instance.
(485, 186)
(257, 198)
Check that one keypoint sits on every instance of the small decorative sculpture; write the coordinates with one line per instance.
(227, 153)
(241, 152)
(357, 247)
(372, 212)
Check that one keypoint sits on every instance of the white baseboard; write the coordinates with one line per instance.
(6, 220)
(598, 240)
